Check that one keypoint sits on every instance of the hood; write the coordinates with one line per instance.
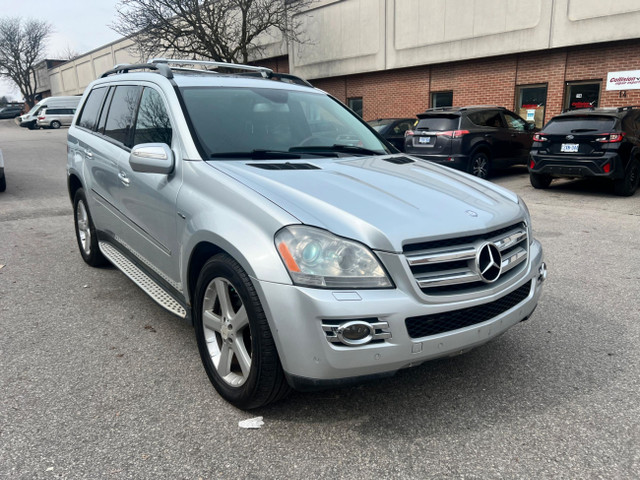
(377, 201)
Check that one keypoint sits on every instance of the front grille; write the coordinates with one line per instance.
(450, 266)
(447, 321)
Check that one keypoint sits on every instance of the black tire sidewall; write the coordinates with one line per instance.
(222, 265)
(55, 125)
(95, 257)
(624, 187)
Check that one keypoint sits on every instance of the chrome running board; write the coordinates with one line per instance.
(146, 283)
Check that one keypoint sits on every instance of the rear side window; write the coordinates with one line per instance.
(91, 109)
(438, 123)
(121, 113)
(487, 118)
(580, 124)
(153, 124)
(54, 111)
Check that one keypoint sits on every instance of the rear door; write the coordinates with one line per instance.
(428, 138)
(494, 132)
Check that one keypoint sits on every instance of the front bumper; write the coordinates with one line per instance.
(296, 316)
(577, 166)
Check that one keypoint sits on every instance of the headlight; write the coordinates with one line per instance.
(317, 258)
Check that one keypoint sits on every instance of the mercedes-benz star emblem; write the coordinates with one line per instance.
(489, 262)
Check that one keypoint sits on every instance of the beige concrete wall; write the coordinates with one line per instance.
(72, 78)
(356, 36)
(345, 37)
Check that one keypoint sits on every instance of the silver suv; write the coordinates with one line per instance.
(306, 251)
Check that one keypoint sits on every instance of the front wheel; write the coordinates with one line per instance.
(234, 339)
(627, 186)
(479, 165)
(539, 180)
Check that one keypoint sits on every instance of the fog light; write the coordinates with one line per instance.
(542, 273)
(355, 333)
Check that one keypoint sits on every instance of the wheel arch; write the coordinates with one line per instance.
(73, 184)
(481, 147)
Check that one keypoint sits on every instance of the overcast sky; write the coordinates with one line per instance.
(79, 25)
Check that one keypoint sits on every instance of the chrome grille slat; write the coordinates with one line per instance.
(439, 257)
(448, 278)
(448, 266)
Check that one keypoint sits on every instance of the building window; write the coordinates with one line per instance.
(531, 101)
(355, 104)
(441, 99)
(582, 94)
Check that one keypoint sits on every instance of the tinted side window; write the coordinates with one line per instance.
(153, 124)
(515, 123)
(121, 113)
(89, 115)
(487, 118)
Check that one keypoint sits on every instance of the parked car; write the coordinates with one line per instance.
(393, 129)
(10, 111)
(595, 142)
(29, 120)
(55, 117)
(474, 139)
(241, 204)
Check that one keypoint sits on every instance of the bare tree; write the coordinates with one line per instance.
(223, 30)
(68, 53)
(21, 48)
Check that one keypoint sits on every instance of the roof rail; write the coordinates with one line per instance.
(283, 77)
(164, 70)
(483, 106)
(265, 72)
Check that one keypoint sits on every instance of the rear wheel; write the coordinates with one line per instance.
(55, 124)
(627, 186)
(86, 232)
(539, 180)
(235, 342)
(479, 165)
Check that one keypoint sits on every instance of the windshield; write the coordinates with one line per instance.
(249, 120)
(438, 122)
(580, 124)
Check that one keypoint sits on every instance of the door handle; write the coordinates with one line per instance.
(124, 179)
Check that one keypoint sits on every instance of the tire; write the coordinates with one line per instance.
(86, 232)
(627, 186)
(3, 183)
(235, 342)
(539, 180)
(55, 124)
(33, 126)
(479, 165)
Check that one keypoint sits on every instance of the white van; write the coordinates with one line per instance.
(30, 118)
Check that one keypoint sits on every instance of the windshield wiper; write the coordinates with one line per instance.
(258, 154)
(336, 148)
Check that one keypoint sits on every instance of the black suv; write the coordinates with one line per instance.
(595, 142)
(474, 139)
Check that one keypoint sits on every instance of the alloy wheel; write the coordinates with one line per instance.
(226, 329)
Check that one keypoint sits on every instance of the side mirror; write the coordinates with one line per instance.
(531, 127)
(152, 158)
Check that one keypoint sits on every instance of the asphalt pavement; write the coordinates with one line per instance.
(98, 381)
